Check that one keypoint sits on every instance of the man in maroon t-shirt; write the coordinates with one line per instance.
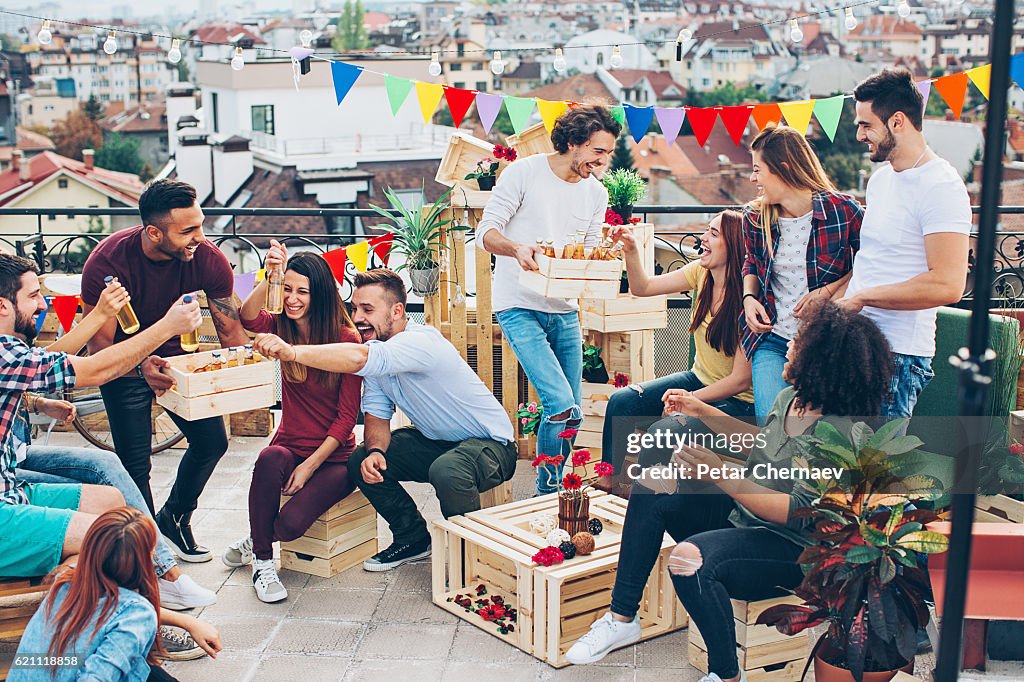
(159, 261)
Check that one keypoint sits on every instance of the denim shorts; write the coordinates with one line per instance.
(32, 535)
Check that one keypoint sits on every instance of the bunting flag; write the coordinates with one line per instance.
(550, 111)
(244, 284)
(953, 89)
(702, 120)
(345, 76)
(358, 253)
(1017, 69)
(798, 114)
(519, 111)
(619, 114)
(671, 121)
(926, 88)
(336, 259)
(639, 120)
(398, 91)
(487, 108)
(261, 274)
(41, 317)
(459, 102)
(764, 114)
(981, 76)
(381, 245)
(429, 96)
(735, 120)
(66, 307)
(828, 112)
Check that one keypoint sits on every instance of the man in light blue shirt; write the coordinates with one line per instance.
(462, 442)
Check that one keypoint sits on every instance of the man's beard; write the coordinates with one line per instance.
(26, 327)
(177, 254)
(884, 149)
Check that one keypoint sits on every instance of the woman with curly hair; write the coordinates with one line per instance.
(738, 537)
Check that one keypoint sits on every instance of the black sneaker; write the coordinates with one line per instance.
(396, 555)
(178, 534)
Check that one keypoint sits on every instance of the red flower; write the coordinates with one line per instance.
(1017, 449)
(568, 434)
(557, 461)
(572, 481)
(621, 380)
(634, 221)
(604, 469)
(580, 458)
(549, 556)
(492, 612)
(507, 153)
(612, 218)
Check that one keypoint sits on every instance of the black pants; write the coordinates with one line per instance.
(129, 402)
(738, 563)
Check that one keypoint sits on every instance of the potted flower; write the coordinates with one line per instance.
(486, 171)
(865, 576)
(1001, 475)
(594, 371)
(529, 416)
(573, 492)
(417, 237)
(625, 188)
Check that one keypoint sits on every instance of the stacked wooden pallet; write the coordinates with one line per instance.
(345, 535)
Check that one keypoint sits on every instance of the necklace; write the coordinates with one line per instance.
(920, 157)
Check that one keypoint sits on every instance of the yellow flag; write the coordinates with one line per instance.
(261, 274)
(549, 111)
(798, 114)
(358, 253)
(981, 77)
(429, 95)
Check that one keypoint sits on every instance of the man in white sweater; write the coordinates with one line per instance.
(548, 197)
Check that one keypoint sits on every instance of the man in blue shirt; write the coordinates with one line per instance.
(462, 442)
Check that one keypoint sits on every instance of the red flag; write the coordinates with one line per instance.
(381, 245)
(767, 113)
(459, 102)
(735, 120)
(953, 88)
(336, 259)
(702, 120)
(66, 307)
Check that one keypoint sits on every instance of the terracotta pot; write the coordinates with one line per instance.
(826, 672)
(573, 512)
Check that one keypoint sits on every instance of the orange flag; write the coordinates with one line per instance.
(953, 89)
(336, 259)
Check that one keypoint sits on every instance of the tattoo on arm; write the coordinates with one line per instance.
(224, 313)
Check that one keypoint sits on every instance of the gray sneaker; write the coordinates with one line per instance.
(179, 645)
(238, 553)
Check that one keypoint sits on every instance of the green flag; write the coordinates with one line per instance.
(619, 114)
(519, 110)
(397, 89)
(828, 111)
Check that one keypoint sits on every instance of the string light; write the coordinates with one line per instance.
(238, 61)
(795, 34)
(903, 8)
(559, 63)
(110, 44)
(851, 21)
(616, 60)
(435, 65)
(45, 35)
(497, 66)
(174, 54)
(685, 36)
(306, 37)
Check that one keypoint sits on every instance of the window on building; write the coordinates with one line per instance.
(478, 66)
(62, 183)
(460, 50)
(600, 58)
(481, 86)
(455, 67)
(263, 118)
(459, 84)
(216, 113)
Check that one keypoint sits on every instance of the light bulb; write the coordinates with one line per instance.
(616, 60)
(306, 37)
(238, 61)
(685, 36)
(110, 44)
(851, 21)
(174, 54)
(903, 9)
(795, 34)
(435, 65)
(45, 36)
(497, 66)
(559, 63)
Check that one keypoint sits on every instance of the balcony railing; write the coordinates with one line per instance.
(432, 136)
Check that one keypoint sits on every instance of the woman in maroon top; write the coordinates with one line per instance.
(306, 458)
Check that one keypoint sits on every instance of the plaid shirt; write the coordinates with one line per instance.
(23, 368)
(835, 238)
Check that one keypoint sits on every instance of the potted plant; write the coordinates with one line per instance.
(417, 237)
(573, 491)
(594, 371)
(865, 576)
(625, 188)
(486, 171)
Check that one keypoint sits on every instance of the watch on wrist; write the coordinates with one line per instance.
(373, 450)
(138, 371)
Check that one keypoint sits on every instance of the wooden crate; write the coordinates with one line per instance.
(256, 423)
(19, 599)
(631, 353)
(223, 391)
(497, 495)
(569, 278)
(534, 140)
(343, 536)
(460, 159)
(998, 509)
(557, 604)
(594, 405)
(624, 313)
(764, 653)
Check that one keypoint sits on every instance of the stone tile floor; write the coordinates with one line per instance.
(358, 625)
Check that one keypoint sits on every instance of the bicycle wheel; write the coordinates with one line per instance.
(92, 423)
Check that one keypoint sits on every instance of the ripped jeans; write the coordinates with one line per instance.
(549, 346)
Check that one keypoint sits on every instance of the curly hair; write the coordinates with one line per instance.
(577, 124)
(842, 364)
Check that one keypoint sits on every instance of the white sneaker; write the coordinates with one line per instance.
(184, 593)
(712, 677)
(238, 553)
(269, 587)
(605, 634)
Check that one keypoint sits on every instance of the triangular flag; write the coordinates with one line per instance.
(764, 114)
(550, 111)
(671, 120)
(41, 317)
(519, 111)
(487, 108)
(359, 252)
(429, 95)
(299, 53)
(953, 89)
(398, 90)
(639, 120)
(828, 111)
(798, 114)
(336, 259)
(981, 76)
(926, 88)
(459, 102)
(65, 307)
(702, 120)
(244, 284)
(735, 121)
(261, 274)
(619, 114)
(382, 246)
(344, 76)
(1017, 69)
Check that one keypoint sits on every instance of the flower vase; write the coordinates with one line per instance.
(573, 511)
(486, 183)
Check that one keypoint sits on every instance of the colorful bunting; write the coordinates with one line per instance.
(1017, 69)
(926, 88)
(798, 114)
(550, 111)
(828, 112)
(702, 120)
(336, 259)
(639, 120)
(300, 53)
(953, 89)
(459, 102)
(519, 111)
(670, 120)
(619, 114)
(358, 253)
(735, 120)
(487, 108)
(261, 274)
(981, 76)
(382, 246)
(345, 76)
(429, 96)
(764, 114)
(397, 90)
(41, 317)
(244, 284)
(66, 307)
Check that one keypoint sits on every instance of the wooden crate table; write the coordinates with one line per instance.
(556, 605)
(345, 535)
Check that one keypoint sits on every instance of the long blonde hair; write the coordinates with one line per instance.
(788, 155)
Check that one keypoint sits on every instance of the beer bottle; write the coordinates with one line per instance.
(125, 316)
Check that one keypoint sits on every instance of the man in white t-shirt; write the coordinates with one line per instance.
(548, 197)
(914, 235)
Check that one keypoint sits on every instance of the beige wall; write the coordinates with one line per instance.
(50, 195)
(45, 110)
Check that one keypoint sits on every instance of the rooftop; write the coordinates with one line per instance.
(124, 186)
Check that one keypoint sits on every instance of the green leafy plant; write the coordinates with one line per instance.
(864, 576)
(417, 231)
(594, 370)
(529, 416)
(625, 187)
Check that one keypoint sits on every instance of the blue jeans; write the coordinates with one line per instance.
(549, 346)
(766, 373)
(913, 372)
(47, 464)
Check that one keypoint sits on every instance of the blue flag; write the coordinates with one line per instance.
(345, 76)
(639, 120)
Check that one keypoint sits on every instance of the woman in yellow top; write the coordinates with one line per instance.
(720, 375)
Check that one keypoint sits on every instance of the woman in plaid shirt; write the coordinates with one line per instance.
(801, 236)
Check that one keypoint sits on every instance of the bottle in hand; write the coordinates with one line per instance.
(275, 291)
(190, 340)
(126, 315)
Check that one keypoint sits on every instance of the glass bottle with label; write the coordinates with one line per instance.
(125, 316)
(275, 291)
(189, 340)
